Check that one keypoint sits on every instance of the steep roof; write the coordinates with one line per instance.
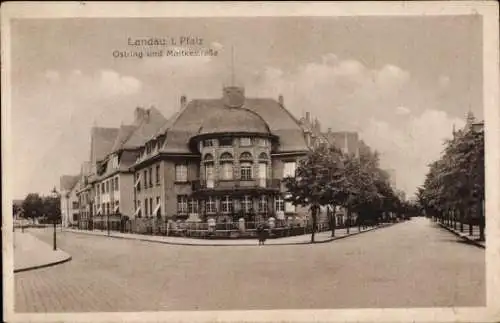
(233, 120)
(102, 141)
(124, 134)
(146, 129)
(68, 182)
(272, 117)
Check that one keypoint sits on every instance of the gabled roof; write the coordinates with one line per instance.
(272, 115)
(145, 130)
(68, 182)
(124, 134)
(102, 140)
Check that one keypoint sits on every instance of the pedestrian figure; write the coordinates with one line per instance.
(262, 234)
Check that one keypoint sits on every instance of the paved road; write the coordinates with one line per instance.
(412, 264)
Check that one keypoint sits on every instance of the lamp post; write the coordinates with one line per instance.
(55, 197)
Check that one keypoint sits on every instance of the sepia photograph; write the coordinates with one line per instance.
(183, 160)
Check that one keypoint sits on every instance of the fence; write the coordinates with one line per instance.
(221, 230)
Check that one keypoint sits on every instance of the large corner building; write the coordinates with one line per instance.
(214, 158)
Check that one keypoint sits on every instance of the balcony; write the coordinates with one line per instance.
(236, 185)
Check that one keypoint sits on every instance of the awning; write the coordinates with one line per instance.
(138, 181)
(156, 208)
(117, 209)
(137, 211)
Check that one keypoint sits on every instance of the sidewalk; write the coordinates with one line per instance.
(321, 237)
(31, 253)
(473, 239)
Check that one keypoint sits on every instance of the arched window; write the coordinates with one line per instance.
(263, 157)
(246, 156)
(226, 157)
(246, 163)
(208, 158)
(226, 162)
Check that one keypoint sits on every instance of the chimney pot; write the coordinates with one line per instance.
(308, 116)
(329, 130)
(280, 100)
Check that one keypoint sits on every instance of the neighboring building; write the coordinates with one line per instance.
(70, 207)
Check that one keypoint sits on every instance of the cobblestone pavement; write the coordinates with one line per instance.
(412, 264)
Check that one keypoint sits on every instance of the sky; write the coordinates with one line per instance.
(401, 82)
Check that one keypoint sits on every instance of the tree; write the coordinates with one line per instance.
(52, 208)
(309, 186)
(33, 206)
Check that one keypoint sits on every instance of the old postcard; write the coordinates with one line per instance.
(264, 161)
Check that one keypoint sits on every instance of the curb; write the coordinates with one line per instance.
(234, 245)
(464, 237)
(50, 264)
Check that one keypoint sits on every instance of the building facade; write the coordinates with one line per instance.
(221, 159)
(70, 207)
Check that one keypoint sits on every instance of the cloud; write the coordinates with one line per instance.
(216, 45)
(347, 95)
(402, 110)
(112, 83)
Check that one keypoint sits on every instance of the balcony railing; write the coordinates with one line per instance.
(273, 184)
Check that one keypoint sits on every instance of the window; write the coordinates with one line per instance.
(226, 142)
(112, 182)
(116, 184)
(279, 204)
(193, 206)
(107, 186)
(151, 206)
(263, 204)
(103, 188)
(227, 170)
(151, 177)
(138, 211)
(117, 207)
(157, 174)
(227, 204)
(209, 143)
(246, 204)
(182, 204)
(245, 142)
(138, 182)
(289, 169)
(210, 205)
(226, 160)
(107, 208)
(246, 171)
(181, 173)
(75, 205)
(263, 142)
(158, 206)
(145, 180)
(263, 157)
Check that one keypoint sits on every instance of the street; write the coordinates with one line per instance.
(411, 264)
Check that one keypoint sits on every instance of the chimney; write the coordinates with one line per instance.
(308, 117)
(139, 113)
(233, 96)
(329, 130)
(280, 100)
(183, 101)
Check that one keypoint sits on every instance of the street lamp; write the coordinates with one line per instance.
(55, 196)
